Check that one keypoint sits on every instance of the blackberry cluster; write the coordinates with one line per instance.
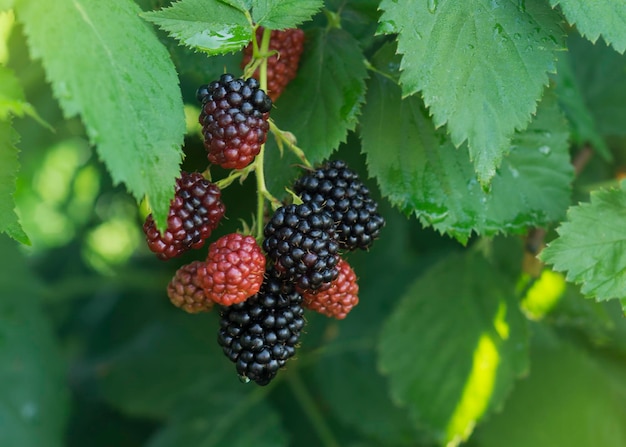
(260, 334)
(301, 241)
(194, 213)
(283, 66)
(339, 191)
(234, 120)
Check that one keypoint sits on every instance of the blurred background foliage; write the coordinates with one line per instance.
(93, 354)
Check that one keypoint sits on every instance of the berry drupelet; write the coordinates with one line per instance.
(194, 213)
(338, 299)
(260, 334)
(185, 290)
(234, 120)
(339, 191)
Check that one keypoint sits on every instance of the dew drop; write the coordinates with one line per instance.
(244, 379)
(432, 6)
(545, 150)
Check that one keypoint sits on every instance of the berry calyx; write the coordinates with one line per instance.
(195, 211)
(234, 120)
(301, 241)
(185, 290)
(260, 334)
(233, 270)
(339, 191)
(338, 299)
(283, 66)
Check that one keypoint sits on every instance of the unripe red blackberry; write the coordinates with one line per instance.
(301, 242)
(339, 191)
(281, 67)
(234, 120)
(195, 212)
(260, 334)
(338, 299)
(185, 290)
(233, 270)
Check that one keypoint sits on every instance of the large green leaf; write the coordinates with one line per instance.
(454, 346)
(606, 17)
(33, 392)
(107, 66)
(591, 245)
(570, 399)
(481, 66)
(9, 166)
(420, 171)
(280, 14)
(205, 25)
(322, 103)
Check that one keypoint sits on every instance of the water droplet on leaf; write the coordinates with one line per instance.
(432, 6)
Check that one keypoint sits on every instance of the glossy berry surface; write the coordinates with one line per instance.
(338, 299)
(233, 270)
(301, 241)
(282, 67)
(194, 213)
(339, 191)
(234, 120)
(185, 290)
(260, 334)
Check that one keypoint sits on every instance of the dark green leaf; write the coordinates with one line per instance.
(322, 103)
(281, 14)
(570, 94)
(569, 399)
(602, 74)
(33, 395)
(121, 82)
(481, 66)
(205, 25)
(454, 346)
(591, 245)
(420, 171)
(9, 166)
(592, 19)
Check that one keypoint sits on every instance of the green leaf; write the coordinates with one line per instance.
(572, 101)
(9, 166)
(322, 103)
(242, 5)
(33, 395)
(570, 398)
(454, 346)
(121, 82)
(205, 25)
(606, 17)
(5, 5)
(602, 74)
(421, 172)
(481, 66)
(591, 245)
(225, 416)
(12, 101)
(281, 14)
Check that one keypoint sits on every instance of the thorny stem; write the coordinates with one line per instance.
(262, 192)
(311, 409)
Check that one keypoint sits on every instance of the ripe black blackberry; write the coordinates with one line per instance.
(301, 241)
(234, 120)
(195, 212)
(339, 191)
(260, 334)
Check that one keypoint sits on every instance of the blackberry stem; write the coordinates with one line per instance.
(281, 138)
(261, 189)
(311, 409)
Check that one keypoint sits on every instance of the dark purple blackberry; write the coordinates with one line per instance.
(260, 334)
(339, 191)
(301, 241)
(195, 211)
(234, 120)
